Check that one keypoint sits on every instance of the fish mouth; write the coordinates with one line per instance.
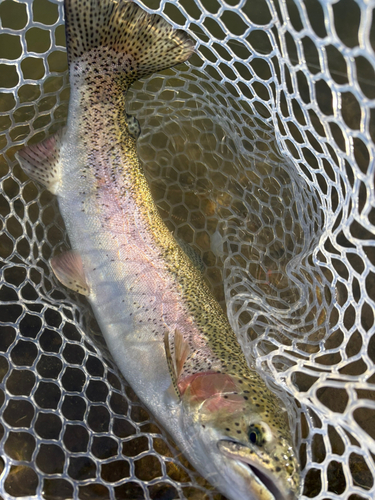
(240, 453)
(268, 483)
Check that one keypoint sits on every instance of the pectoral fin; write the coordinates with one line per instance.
(171, 365)
(41, 161)
(68, 269)
(182, 350)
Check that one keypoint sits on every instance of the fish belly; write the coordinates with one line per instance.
(132, 297)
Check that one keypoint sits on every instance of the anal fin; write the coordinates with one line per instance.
(41, 161)
(68, 269)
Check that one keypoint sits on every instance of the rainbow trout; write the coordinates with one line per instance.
(166, 332)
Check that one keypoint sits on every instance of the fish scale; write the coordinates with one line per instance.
(166, 332)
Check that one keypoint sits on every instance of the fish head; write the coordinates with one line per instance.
(245, 443)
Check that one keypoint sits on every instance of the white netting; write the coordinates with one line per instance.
(260, 154)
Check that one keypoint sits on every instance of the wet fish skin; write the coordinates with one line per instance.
(164, 328)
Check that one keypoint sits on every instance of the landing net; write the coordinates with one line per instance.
(260, 154)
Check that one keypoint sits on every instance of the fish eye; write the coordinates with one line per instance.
(255, 435)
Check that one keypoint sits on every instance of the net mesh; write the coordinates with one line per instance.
(260, 156)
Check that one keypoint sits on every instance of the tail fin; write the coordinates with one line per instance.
(119, 33)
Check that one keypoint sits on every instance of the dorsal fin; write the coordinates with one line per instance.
(192, 254)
